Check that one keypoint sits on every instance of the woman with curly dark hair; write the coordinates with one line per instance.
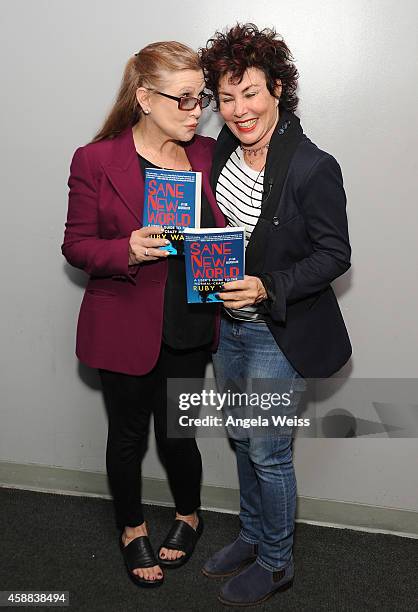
(282, 321)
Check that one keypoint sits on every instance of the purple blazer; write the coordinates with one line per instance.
(121, 315)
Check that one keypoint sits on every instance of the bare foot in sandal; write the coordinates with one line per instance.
(146, 573)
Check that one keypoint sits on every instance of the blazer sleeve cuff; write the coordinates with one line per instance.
(275, 304)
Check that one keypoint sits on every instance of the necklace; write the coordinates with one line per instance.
(254, 153)
(243, 164)
(258, 205)
(155, 159)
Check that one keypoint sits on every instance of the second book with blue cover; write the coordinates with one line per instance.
(213, 257)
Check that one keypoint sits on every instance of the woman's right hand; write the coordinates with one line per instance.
(142, 248)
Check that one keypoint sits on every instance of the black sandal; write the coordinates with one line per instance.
(139, 554)
(180, 537)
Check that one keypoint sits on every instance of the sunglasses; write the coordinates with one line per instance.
(188, 103)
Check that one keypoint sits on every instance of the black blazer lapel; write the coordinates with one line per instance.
(284, 141)
(283, 144)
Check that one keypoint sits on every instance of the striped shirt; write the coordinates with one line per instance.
(239, 192)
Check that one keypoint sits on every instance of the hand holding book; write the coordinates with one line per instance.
(143, 248)
(240, 293)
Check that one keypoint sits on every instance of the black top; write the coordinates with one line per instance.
(185, 326)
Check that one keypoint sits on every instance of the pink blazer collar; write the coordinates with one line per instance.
(122, 170)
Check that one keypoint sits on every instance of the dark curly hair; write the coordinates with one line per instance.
(245, 46)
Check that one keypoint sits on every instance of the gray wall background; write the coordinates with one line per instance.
(61, 65)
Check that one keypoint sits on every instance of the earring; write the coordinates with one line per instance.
(146, 112)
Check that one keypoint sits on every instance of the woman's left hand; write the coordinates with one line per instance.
(247, 292)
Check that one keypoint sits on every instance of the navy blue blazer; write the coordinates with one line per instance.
(301, 241)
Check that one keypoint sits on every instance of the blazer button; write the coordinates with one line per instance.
(276, 221)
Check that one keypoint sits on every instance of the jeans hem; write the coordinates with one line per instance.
(246, 539)
(269, 567)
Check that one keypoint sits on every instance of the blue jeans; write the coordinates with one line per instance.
(265, 466)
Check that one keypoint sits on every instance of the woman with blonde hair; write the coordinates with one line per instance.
(134, 325)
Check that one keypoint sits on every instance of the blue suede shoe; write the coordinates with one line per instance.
(230, 559)
(255, 585)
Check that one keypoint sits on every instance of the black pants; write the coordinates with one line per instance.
(130, 400)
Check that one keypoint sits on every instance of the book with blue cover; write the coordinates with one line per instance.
(172, 200)
(213, 257)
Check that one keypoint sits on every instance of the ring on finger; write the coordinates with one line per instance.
(146, 253)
